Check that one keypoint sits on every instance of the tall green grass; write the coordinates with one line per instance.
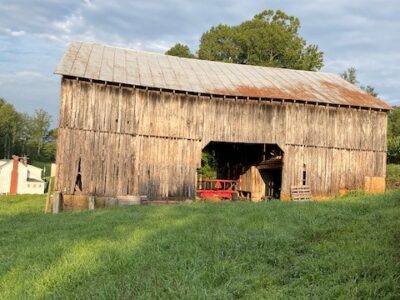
(347, 248)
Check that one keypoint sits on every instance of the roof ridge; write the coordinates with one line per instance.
(196, 58)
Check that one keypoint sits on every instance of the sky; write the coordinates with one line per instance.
(34, 34)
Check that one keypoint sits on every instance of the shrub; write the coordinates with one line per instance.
(208, 165)
(393, 150)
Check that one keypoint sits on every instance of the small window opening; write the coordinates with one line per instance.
(78, 181)
(304, 175)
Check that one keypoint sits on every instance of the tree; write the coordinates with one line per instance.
(350, 75)
(21, 134)
(208, 165)
(9, 126)
(39, 129)
(24, 133)
(269, 39)
(393, 145)
(221, 43)
(370, 90)
(180, 50)
(50, 146)
(394, 122)
(393, 150)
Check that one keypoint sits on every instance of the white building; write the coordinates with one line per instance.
(17, 177)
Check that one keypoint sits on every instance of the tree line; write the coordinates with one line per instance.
(26, 134)
(393, 149)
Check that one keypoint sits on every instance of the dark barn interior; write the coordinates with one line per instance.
(257, 166)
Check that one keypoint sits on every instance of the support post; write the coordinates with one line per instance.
(57, 202)
(91, 200)
(48, 196)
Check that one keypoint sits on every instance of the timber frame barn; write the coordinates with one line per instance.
(135, 123)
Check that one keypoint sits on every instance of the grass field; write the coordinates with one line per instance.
(348, 248)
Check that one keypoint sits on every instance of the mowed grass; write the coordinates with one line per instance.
(347, 248)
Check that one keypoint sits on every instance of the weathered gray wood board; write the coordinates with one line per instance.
(140, 142)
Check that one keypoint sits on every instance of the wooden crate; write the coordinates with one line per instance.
(300, 193)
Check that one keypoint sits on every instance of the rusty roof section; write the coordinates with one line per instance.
(128, 66)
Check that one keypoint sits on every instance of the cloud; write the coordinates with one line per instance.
(88, 3)
(13, 33)
(69, 23)
(34, 34)
(22, 75)
(28, 91)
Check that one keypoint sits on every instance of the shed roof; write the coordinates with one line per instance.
(128, 66)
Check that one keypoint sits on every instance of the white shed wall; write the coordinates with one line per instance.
(5, 178)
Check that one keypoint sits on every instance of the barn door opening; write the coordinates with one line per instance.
(257, 168)
(273, 181)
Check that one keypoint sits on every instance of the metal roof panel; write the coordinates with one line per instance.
(94, 61)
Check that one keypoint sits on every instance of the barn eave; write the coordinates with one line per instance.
(264, 100)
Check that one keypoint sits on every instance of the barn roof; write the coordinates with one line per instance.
(128, 66)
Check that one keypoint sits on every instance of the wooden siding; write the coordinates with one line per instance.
(137, 141)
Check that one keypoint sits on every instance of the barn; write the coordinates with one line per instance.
(136, 123)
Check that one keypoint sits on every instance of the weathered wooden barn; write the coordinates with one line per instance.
(135, 123)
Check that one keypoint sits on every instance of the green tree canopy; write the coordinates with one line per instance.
(39, 129)
(394, 122)
(21, 133)
(269, 39)
(180, 50)
(10, 125)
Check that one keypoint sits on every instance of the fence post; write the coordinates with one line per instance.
(57, 202)
(91, 202)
